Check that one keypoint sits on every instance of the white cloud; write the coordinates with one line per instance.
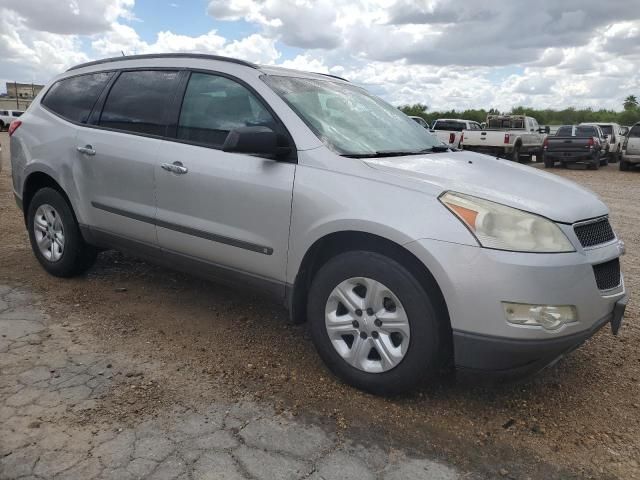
(77, 17)
(122, 38)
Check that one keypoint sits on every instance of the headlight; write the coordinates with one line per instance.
(505, 228)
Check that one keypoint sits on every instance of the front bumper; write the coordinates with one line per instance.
(630, 158)
(475, 281)
(516, 357)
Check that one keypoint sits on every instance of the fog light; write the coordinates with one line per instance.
(550, 317)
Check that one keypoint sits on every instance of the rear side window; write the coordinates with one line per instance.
(4, 112)
(635, 131)
(587, 132)
(214, 105)
(450, 126)
(139, 102)
(607, 129)
(73, 98)
(16, 114)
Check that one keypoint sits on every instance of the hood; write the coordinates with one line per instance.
(498, 180)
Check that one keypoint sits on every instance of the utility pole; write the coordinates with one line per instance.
(15, 84)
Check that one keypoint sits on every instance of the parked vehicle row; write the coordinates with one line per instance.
(8, 116)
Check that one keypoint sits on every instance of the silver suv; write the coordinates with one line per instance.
(404, 256)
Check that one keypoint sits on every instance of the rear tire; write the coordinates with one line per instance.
(624, 166)
(515, 155)
(55, 236)
(357, 273)
(548, 162)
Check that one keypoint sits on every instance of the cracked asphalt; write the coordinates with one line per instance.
(49, 379)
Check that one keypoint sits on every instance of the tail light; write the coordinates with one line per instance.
(506, 138)
(452, 137)
(14, 126)
(591, 142)
(545, 144)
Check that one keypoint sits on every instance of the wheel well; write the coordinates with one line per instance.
(333, 244)
(37, 181)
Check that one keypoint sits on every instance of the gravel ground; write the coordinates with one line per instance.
(578, 419)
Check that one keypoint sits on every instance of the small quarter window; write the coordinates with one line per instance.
(73, 98)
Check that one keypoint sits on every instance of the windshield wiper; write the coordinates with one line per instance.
(390, 153)
(381, 153)
(437, 149)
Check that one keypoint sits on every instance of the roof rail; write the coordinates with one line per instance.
(203, 56)
(332, 76)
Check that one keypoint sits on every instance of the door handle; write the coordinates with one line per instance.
(175, 167)
(87, 150)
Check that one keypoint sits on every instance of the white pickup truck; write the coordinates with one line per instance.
(507, 136)
(449, 130)
(8, 116)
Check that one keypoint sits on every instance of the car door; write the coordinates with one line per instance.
(633, 141)
(117, 159)
(222, 209)
(530, 137)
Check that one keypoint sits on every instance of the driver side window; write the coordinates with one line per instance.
(214, 105)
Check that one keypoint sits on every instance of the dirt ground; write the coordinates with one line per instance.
(577, 419)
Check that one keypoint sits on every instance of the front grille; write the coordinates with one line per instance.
(607, 274)
(594, 233)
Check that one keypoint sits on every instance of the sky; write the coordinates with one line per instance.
(445, 54)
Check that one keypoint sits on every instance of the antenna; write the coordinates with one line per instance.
(122, 52)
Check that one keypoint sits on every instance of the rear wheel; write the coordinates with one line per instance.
(55, 237)
(373, 323)
(548, 162)
(515, 155)
(624, 166)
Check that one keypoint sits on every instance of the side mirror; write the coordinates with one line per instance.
(257, 141)
(624, 131)
(605, 136)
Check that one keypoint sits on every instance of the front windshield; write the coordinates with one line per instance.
(349, 120)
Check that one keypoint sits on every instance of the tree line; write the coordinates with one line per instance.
(568, 116)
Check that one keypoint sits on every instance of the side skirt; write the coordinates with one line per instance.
(271, 288)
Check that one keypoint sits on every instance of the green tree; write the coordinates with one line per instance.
(415, 110)
(631, 102)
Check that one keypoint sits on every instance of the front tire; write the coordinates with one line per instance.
(373, 323)
(55, 236)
